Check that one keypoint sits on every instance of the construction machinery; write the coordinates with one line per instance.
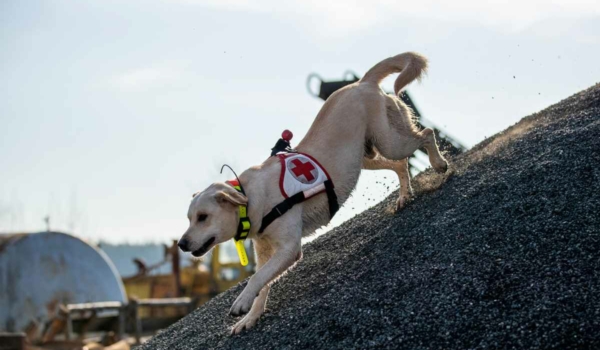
(158, 300)
(200, 280)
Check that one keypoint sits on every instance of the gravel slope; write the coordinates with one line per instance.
(501, 252)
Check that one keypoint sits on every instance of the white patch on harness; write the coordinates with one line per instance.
(301, 173)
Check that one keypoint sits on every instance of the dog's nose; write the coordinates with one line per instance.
(183, 245)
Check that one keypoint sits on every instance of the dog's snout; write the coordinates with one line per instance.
(184, 245)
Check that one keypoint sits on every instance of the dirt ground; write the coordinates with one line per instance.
(503, 251)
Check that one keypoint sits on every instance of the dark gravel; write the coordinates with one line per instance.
(501, 252)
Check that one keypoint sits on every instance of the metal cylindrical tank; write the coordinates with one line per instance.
(40, 271)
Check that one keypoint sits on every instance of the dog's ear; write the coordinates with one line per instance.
(231, 197)
(195, 194)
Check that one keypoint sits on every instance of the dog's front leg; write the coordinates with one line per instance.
(258, 308)
(287, 248)
(263, 252)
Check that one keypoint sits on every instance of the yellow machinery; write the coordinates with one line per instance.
(198, 281)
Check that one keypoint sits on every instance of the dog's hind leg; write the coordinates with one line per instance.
(263, 252)
(438, 162)
(400, 167)
(398, 138)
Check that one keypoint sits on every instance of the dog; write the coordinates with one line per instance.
(359, 126)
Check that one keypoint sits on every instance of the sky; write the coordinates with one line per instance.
(112, 113)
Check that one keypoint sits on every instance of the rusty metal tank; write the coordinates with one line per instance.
(40, 271)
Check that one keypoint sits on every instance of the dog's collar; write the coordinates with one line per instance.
(244, 225)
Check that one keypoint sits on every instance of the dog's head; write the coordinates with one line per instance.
(213, 218)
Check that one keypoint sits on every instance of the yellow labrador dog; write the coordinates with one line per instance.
(359, 126)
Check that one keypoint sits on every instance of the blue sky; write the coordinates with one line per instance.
(114, 112)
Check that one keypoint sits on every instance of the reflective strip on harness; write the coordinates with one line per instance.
(313, 191)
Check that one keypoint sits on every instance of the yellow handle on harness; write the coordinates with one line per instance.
(241, 250)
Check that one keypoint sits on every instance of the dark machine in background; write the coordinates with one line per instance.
(447, 144)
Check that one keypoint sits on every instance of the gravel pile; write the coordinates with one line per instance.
(503, 251)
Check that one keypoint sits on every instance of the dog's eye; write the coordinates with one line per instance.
(202, 217)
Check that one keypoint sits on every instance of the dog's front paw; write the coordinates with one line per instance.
(242, 304)
(247, 322)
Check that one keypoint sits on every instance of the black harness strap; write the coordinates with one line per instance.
(331, 198)
(299, 197)
(281, 209)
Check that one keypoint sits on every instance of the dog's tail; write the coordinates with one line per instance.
(411, 66)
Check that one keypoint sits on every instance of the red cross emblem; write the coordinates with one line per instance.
(303, 169)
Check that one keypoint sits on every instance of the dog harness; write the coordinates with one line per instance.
(301, 178)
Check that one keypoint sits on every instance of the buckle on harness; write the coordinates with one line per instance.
(243, 228)
(282, 207)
